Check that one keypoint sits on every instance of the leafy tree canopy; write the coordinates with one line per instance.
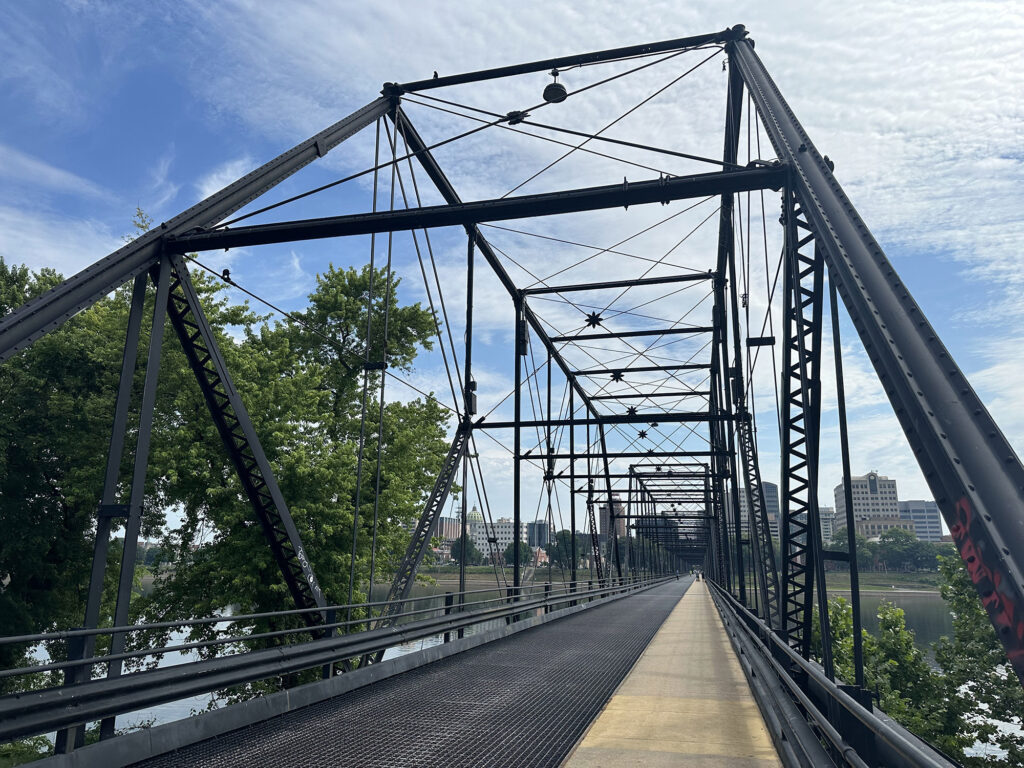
(302, 389)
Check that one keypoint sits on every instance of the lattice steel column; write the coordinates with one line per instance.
(801, 405)
(760, 531)
(240, 440)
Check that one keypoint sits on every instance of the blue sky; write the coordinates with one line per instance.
(111, 105)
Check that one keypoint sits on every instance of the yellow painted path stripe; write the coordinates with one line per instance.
(686, 702)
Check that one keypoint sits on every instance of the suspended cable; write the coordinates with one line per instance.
(292, 317)
(376, 167)
(621, 117)
(366, 385)
(597, 248)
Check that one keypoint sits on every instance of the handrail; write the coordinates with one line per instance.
(65, 634)
(44, 711)
(161, 650)
(903, 745)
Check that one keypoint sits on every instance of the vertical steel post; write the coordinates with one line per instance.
(447, 612)
(138, 489)
(572, 483)
(727, 259)
(629, 515)
(613, 538)
(108, 510)
(727, 376)
(469, 408)
(549, 472)
(520, 351)
(851, 537)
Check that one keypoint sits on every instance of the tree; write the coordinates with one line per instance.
(525, 553)
(979, 682)
(866, 550)
(303, 394)
(896, 548)
(951, 706)
(473, 555)
(559, 550)
(56, 402)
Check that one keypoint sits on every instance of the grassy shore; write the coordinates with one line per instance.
(926, 581)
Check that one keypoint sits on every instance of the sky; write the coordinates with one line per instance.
(108, 106)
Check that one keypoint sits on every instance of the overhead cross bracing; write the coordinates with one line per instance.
(656, 332)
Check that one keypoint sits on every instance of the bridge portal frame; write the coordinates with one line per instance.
(977, 479)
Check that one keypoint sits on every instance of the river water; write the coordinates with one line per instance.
(927, 614)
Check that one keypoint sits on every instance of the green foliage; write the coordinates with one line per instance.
(24, 751)
(303, 393)
(895, 550)
(867, 551)
(525, 553)
(473, 555)
(55, 410)
(949, 704)
(559, 550)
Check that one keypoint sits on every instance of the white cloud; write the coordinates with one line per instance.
(162, 190)
(20, 169)
(46, 240)
(222, 175)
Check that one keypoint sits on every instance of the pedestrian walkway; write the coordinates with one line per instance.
(522, 701)
(686, 702)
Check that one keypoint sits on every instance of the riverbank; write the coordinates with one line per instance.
(878, 581)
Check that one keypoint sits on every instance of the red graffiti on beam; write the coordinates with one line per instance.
(1006, 615)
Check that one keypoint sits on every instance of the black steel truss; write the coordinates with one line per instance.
(974, 473)
(405, 576)
(760, 530)
(803, 294)
(689, 511)
(240, 440)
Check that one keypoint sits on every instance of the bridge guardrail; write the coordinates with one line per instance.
(820, 716)
(44, 711)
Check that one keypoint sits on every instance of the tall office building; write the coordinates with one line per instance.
(827, 518)
(925, 516)
(876, 506)
(620, 521)
(771, 505)
(874, 495)
(539, 534)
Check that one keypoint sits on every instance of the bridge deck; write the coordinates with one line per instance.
(521, 701)
(685, 702)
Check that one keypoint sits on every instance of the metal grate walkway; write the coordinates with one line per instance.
(521, 701)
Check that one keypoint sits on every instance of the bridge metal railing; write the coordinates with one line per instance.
(819, 720)
(33, 712)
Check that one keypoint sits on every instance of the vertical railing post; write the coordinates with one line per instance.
(330, 616)
(448, 602)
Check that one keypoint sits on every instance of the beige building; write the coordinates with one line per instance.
(874, 495)
(503, 530)
(873, 527)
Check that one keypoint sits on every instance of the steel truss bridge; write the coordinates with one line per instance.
(657, 425)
